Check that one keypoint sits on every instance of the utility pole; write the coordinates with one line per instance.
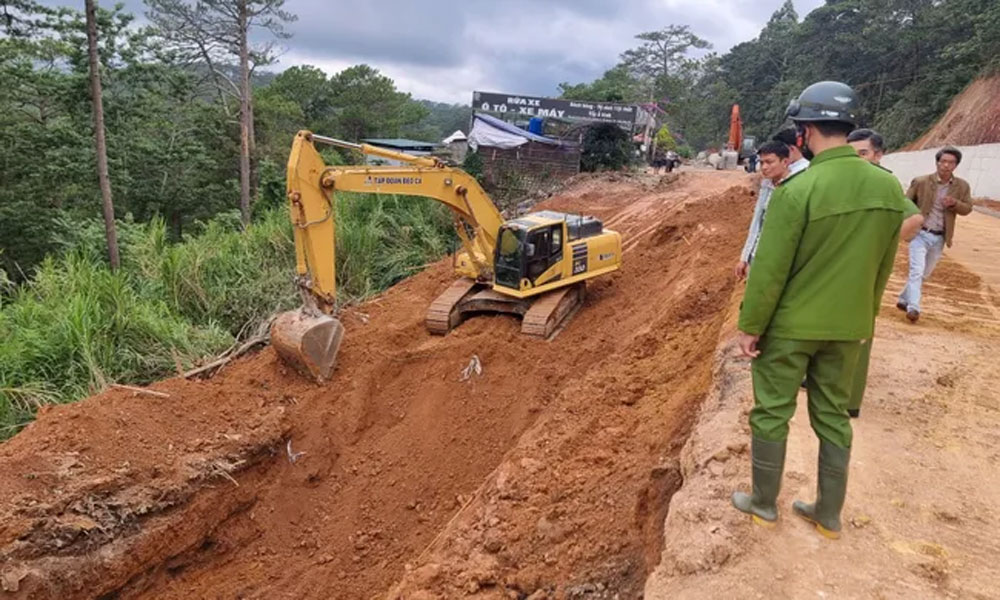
(100, 141)
(245, 115)
(649, 126)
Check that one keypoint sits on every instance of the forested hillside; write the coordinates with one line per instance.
(172, 120)
(906, 58)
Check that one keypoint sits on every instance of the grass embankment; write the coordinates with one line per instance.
(75, 327)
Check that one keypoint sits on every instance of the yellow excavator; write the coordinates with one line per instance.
(534, 266)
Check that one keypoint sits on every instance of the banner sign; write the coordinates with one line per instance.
(532, 106)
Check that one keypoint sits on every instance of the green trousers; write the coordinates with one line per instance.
(860, 375)
(828, 368)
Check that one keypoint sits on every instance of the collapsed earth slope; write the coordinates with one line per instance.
(548, 470)
(973, 117)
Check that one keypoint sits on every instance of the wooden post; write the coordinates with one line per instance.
(100, 141)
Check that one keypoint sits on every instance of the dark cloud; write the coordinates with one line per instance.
(445, 49)
(401, 33)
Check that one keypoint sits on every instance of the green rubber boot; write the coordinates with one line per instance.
(768, 462)
(831, 490)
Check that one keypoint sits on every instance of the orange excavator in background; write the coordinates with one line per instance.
(742, 146)
(735, 129)
(534, 266)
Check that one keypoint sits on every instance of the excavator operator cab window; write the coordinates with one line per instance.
(546, 251)
(509, 256)
(556, 239)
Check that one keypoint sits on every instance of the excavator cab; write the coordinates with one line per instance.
(524, 256)
(549, 249)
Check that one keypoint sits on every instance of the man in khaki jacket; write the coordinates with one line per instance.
(939, 196)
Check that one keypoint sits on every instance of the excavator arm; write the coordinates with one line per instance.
(309, 337)
(313, 220)
(312, 185)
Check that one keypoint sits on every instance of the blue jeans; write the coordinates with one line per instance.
(925, 252)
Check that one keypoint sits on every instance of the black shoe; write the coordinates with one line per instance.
(854, 412)
(902, 306)
(912, 315)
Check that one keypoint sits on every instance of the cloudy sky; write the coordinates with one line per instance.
(444, 49)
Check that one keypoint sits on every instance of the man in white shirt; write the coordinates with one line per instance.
(796, 161)
(774, 166)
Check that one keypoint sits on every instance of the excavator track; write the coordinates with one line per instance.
(549, 311)
(443, 314)
(541, 316)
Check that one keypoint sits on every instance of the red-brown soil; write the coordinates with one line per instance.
(549, 473)
(987, 203)
(972, 118)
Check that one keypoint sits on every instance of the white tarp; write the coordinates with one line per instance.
(487, 135)
(458, 136)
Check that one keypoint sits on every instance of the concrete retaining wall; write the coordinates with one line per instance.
(980, 167)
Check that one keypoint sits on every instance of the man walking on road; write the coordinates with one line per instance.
(821, 267)
(774, 167)
(871, 146)
(940, 196)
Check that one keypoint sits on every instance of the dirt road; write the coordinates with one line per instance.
(919, 517)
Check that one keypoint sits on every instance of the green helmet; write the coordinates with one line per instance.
(825, 101)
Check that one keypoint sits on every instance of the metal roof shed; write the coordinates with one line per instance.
(414, 147)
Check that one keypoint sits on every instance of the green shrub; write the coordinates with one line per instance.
(665, 140)
(221, 277)
(76, 327)
(384, 239)
(473, 165)
(606, 146)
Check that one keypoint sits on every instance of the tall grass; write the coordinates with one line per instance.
(75, 327)
(384, 239)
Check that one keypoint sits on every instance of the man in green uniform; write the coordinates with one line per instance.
(871, 147)
(822, 263)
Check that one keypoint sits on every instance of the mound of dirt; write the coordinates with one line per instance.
(973, 118)
(94, 492)
(576, 507)
(549, 472)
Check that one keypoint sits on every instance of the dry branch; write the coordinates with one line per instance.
(138, 390)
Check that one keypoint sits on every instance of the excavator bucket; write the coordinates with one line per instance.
(307, 342)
